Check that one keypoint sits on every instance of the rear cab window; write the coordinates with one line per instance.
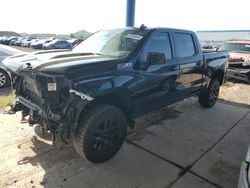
(184, 44)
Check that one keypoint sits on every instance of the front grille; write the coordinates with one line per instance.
(240, 65)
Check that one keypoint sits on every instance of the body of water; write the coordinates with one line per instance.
(223, 35)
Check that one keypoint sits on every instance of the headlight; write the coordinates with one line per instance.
(246, 62)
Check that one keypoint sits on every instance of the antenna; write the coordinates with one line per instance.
(143, 27)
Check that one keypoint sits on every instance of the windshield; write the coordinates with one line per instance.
(116, 42)
(234, 47)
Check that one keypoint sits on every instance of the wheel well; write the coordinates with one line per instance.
(174, 77)
(120, 100)
(5, 72)
(219, 74)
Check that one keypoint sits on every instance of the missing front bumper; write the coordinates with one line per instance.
(239, 74)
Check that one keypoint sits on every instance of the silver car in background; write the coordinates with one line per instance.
(5, 76)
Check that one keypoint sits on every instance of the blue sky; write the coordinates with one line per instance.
(67, 16)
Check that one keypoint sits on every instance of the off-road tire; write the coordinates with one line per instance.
(103, 128)
(208, 97)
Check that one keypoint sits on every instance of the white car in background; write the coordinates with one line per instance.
(5, 76)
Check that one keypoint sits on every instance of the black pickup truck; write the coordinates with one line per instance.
(93, 92)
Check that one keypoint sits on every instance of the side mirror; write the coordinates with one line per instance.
(155, 58)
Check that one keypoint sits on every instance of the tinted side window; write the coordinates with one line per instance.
(184, 45)
(159, 42)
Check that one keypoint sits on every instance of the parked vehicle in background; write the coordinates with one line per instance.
(32, 41)
(5, 75)
(5, 40)
(1, 39)
(96, 90)
(27, 42)
(19, 41)
(239, 61)
(244, 178)
(75, 42)
(58, 44)
(39, 44)
(12, 41)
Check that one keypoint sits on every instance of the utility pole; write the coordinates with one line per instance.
(130, 19)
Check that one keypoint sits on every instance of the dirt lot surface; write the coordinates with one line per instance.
(25, 49)
(180, 146)
(236, 93)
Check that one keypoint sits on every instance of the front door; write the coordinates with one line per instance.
(158, 79)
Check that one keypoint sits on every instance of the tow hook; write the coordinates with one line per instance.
(64, 140)
(53, 134)
(58, 139)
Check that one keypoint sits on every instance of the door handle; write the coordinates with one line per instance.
(199, 63)
(174, 68)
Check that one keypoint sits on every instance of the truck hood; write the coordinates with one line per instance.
(240, 60)
(235, 56)
(56, 62)
(15, 62)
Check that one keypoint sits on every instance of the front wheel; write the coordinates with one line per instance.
(209, 97)
(101, 133)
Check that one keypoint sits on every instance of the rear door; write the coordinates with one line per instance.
(190, 59)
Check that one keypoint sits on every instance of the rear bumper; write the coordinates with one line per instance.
(243, 178)
(239, 74)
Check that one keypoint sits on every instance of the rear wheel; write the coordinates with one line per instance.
(209, 97)
(4, 79)
(101, 133)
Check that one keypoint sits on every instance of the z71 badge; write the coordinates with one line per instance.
(124, 65)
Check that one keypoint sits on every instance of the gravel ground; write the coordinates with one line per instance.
(25, 49)
(238, 93)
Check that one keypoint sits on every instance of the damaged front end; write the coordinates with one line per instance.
(52, 102)
(239, 69)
